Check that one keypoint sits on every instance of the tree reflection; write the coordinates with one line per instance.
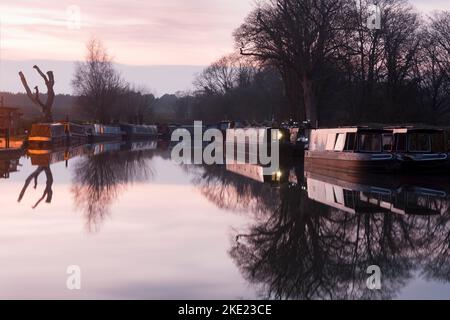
(300, 249)
(48, 192)
(99, 180)
(231, 191)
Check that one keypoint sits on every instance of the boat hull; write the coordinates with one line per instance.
(423, 162)
(351, 162)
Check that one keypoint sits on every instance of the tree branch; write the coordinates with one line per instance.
(34, 99)
(42, 74)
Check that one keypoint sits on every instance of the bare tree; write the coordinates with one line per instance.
(297, 36)
(49, 79)
(219, 77)
(137, 102)
(98, 84)
(433, 65)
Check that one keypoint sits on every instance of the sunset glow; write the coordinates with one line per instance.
(151, 32)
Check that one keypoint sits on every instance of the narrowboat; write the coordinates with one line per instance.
(100, 132)
(76, 133)
(139, 131)
(47, 134)
(420, 148)
(356, 149)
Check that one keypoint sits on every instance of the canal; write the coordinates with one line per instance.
(141, 227)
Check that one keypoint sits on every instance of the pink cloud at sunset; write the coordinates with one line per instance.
(137, 32)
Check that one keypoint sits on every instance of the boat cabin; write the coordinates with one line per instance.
(45, 133)
(359, 140)
(139, 131)
(413, 140)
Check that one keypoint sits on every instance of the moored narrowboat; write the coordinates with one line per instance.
(139, 131)
(76, 133)
(100, 132)
(46, 134)
(420, 148)
(356, 149)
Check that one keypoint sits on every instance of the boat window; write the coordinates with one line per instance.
(340, 142)
(349, 199)
(58, 131)
(350, 144)
(401, 142)
(438, 143)
(388, 142)
(331, 142)
(447, 140)
(370, 142)
(419, 142)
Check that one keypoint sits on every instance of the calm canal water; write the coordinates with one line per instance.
(141, 227)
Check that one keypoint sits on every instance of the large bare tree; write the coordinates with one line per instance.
(433, 65)
(98, 84)
(49, 79)
(299, 37)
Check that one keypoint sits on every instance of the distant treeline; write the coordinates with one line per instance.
(64, 106)
(314, 60)
(318, 60)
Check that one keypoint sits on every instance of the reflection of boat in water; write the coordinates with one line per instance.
(143, 145)
(254, 172)
(49, 156)
(100, 148)
(286, 173)
(46, 157)
(7, 167)
(9, 162)
(355, 197)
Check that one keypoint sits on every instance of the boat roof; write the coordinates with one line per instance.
(416, 130)
(355, 129)
(48, 124)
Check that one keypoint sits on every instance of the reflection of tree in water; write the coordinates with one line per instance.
(100, 179)
(231, 191)
(299, 249)
(48, 191)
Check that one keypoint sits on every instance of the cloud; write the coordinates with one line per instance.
(431, 5)
(137, 32)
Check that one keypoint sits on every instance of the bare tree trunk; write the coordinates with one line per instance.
(310, 100)
(293, 95)
(46, 108)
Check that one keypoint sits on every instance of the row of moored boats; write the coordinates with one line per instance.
(43, 134)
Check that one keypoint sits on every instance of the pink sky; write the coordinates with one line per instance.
(137, 32)
(193, 32)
